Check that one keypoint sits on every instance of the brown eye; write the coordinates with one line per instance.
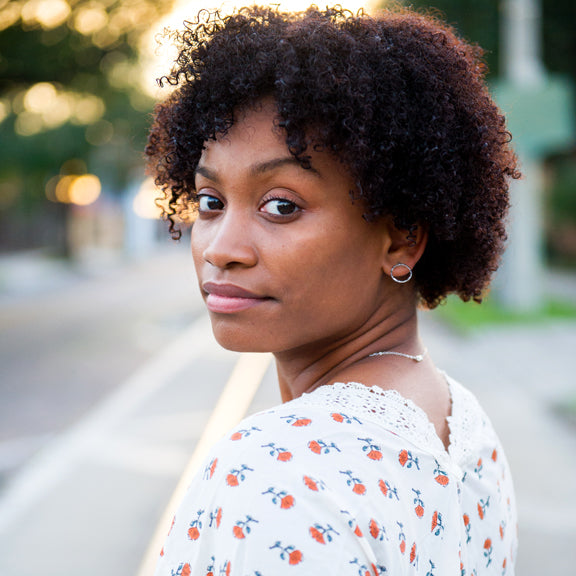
(207, 203)
(280, 207)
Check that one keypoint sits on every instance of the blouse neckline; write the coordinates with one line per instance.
(405, 418)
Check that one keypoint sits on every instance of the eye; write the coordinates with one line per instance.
(280, 207)
(207, 203)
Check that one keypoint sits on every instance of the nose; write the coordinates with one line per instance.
(228, 242)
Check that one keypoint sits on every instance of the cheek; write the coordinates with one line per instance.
(337, 275)
(197, 247)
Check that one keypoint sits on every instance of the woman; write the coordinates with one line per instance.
(344, 169)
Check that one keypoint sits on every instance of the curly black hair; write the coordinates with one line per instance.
(399, 98)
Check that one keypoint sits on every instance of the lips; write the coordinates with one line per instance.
(228, 298)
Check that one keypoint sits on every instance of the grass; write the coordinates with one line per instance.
(469, 316)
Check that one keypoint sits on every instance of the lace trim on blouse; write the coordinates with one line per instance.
(403, 417)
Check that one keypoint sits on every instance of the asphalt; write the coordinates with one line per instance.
(90, 501)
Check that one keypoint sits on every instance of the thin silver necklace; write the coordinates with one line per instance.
(416, 358)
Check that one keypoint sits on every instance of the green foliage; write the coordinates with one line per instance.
(563, 192)
(561, 212)
(559, 36)
(69, 87)
(475, 20)
(478, 22)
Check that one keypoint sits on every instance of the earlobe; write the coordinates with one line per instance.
(400, 269)
(403, 250)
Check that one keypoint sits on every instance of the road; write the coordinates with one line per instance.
(69, 337)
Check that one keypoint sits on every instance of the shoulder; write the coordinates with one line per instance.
(268, 499)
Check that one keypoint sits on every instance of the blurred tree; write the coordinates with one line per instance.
(478, 21)
(71, 101)
(559, 36)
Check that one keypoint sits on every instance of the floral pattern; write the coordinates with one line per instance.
(310, 488)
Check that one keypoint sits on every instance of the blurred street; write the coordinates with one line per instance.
(109, 379)
(68, 337)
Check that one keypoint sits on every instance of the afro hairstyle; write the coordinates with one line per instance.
(397, 97)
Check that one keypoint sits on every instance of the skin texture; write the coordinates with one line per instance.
(318, 274)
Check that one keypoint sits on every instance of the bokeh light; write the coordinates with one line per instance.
(46, 13)
(144, 203)
(85, 190)
(10, 15)
(40, 97)
(62, 188)
(87, 109)
(44, 106)
(82, 190)
(90, 19)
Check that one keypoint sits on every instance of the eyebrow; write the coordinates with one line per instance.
(275, 163)
(259, 168)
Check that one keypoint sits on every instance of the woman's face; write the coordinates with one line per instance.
(284, 260)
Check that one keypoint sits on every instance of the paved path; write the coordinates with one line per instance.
(89, 502)
(69, 337)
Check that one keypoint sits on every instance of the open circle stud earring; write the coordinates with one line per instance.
(398, 280)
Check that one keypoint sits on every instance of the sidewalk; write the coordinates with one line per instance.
(90, 501)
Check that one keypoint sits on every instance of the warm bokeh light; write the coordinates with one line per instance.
(43, 107)
(85, 190)
(51, 13)
(81, 190)
(87, 109)
(144, 203)
(40, 97)
(46, 13)
(28, 124)
(9, 15)
(62, 188)
(90, 19)
(119, 70)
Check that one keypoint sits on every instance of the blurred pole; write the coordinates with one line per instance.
(521, 43)
(520, 280)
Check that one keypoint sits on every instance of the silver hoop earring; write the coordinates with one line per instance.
(398, 279)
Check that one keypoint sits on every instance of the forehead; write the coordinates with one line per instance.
(256, 143)
(254, 133)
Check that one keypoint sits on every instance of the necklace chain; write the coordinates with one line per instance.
(416, 358)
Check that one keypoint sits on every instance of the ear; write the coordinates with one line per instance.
(403, 246)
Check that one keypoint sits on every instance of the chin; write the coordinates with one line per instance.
(241, 339)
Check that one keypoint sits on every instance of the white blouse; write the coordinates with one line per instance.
(349, 480)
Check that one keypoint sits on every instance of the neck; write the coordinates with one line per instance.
(303, 370)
